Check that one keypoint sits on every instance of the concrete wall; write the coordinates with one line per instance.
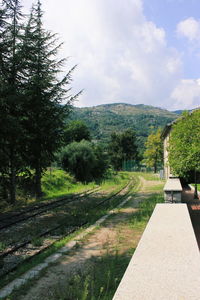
(166, 159)
(166, 263)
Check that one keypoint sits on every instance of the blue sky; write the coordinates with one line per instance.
(133, 51)
(167, 14)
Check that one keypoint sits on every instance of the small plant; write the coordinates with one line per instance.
(2, 246)
(37, 241)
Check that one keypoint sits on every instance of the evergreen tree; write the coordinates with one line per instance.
(11, 76)
(44, 115)
(122, 147)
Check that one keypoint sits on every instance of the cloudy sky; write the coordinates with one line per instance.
(132, 51)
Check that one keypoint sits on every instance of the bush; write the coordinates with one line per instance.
(85, 161)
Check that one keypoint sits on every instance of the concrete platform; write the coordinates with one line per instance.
(173, 184)
(166, 263)
(173, 191)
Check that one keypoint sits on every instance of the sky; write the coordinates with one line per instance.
(131, 51)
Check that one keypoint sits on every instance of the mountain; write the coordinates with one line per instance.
(104, 119)
(178, 112)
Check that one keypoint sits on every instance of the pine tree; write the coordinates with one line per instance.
(45, 115)
(10, 95)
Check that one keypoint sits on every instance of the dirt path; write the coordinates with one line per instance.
(116, 233)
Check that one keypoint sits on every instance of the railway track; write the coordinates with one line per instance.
(8, 220)
(9, 264)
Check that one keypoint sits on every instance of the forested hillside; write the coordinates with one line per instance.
(102, 120)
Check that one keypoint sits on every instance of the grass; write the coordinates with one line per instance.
(2, 246)
(88, 283)
(146, 207)
(38, 258)
(149, 176)
(114, 183)
(57, 183)
(37, 241)
(198, 186)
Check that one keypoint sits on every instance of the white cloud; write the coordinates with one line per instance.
(186, 94)
(189, 28)
(121, 56)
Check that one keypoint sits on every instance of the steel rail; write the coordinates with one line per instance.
(54, 204)
(74, 227)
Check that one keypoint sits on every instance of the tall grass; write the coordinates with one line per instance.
(100, 277)
(146, 208)
(149, 176)
(96, 281)
(56, 183)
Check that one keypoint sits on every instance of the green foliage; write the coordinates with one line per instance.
(89, 284)
(76, 131)
(44, 92)
(102, 120)
(184, 149)
(37, 241)
(32, 119)
(154, 150)
(11, 96)
(122, 147)
(149, 176)
(146, 208)
(56, 181)
(2, 246)
(85, 161)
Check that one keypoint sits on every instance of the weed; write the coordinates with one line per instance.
(2, 246)
(141, 217)
(89, 284)
(37, 241)
(149, 176)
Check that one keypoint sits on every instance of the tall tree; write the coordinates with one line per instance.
(122, 147)
(153, 154)
(11, 76)
(184, 149)
(76, 131)
(45, 115)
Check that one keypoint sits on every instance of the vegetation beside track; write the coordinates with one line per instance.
(109, 188)
(88, 283)
(57, 183)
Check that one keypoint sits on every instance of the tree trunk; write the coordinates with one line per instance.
(155, 168)
(12, 180)
(38, 188)
(195, 181)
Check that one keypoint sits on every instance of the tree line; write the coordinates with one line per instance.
(34, 131)
(32, 118)
(184, 147)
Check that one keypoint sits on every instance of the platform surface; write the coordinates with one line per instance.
(166, 263)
